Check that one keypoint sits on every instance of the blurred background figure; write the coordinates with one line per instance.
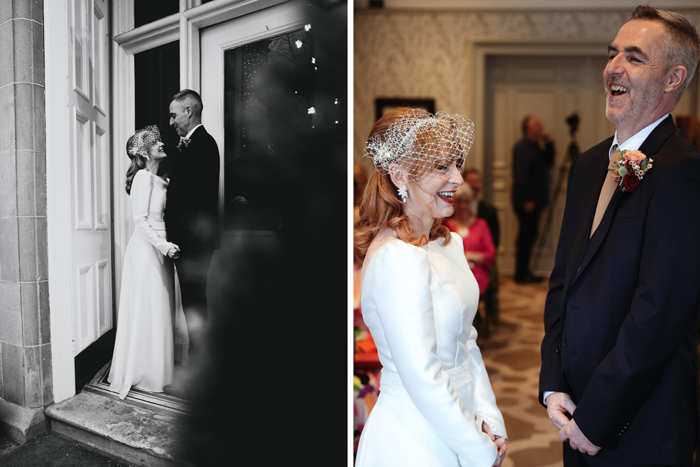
(486, 211)
(533, 155)
(690, 128)
(478, 243)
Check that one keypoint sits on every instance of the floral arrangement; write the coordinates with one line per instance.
(630, 168)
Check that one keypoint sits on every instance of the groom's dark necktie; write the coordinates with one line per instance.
(606, 192)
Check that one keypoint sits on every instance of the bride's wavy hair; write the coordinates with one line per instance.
(380, 206)
(137, 163)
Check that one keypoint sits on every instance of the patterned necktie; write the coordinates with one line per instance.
(606, 192)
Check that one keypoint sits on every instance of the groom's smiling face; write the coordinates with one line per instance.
(634, 76)
(180, 117)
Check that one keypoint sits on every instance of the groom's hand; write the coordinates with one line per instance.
(558, 405)
(577, 440)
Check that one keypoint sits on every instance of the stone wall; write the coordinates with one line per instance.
(25, 351)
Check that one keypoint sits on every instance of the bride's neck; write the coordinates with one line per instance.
(152, 166)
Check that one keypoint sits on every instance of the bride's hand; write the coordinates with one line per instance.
(174, 252)
(500, 444)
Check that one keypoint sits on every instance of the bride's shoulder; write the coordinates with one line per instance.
(388, 247)
(143, 174)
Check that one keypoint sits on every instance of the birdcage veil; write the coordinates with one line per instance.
(143, 140)
(422, 143)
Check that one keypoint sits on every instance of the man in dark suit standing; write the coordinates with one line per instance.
(619, 372)
(192, 209)
(530, 192)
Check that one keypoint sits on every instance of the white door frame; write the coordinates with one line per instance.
(58, 199)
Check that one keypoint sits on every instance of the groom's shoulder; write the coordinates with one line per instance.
(202, 135)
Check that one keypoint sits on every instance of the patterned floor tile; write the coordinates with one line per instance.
(512, 357)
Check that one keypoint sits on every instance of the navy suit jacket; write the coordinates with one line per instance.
(621, 316)
(192, 207)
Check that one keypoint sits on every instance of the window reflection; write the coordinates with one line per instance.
(271, 119)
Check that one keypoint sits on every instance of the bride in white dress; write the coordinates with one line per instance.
(143, 351)
(418, 297)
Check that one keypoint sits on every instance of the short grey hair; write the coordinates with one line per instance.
(190, 98)
(681, 43)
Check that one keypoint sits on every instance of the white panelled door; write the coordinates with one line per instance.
(90, 245)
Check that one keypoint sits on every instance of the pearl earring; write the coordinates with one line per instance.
(403, 192)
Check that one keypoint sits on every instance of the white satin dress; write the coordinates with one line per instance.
(143, 350)
(419, 303)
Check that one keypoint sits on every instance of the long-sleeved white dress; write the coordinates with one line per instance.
(143, 350)
(418, 303)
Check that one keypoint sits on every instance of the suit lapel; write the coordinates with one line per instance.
(650, 147)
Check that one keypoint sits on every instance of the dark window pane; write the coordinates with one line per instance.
(278, 111)
(147, 11)
(157, 79)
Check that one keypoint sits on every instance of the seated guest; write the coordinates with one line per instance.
(488, 212)
(485, 210)
(476, 236)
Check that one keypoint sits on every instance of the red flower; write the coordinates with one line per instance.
(630, 182)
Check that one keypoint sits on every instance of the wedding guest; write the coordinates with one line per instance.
(530, 193)
(483, 208)
(476, 236)
(418, 297)
(487, 211)
(619, 371)
(143, 350)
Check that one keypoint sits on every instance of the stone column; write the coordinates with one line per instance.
(25, 351)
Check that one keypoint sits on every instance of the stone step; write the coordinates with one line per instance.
(138, 435)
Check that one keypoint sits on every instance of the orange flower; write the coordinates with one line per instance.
(633, 155)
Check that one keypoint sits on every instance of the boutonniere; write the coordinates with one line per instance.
(630, 169)
(183, 142)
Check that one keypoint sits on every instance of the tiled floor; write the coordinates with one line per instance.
(512, 357)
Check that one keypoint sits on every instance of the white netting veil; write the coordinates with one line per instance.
(143, 140)
(422, 144)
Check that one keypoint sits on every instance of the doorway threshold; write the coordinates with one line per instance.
(160, 402)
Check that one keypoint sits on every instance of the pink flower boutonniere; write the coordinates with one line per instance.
(630, 168)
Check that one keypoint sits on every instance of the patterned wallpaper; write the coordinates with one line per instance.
(428, 55)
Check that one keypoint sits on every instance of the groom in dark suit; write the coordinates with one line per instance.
(619, 372)
(192, 209)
